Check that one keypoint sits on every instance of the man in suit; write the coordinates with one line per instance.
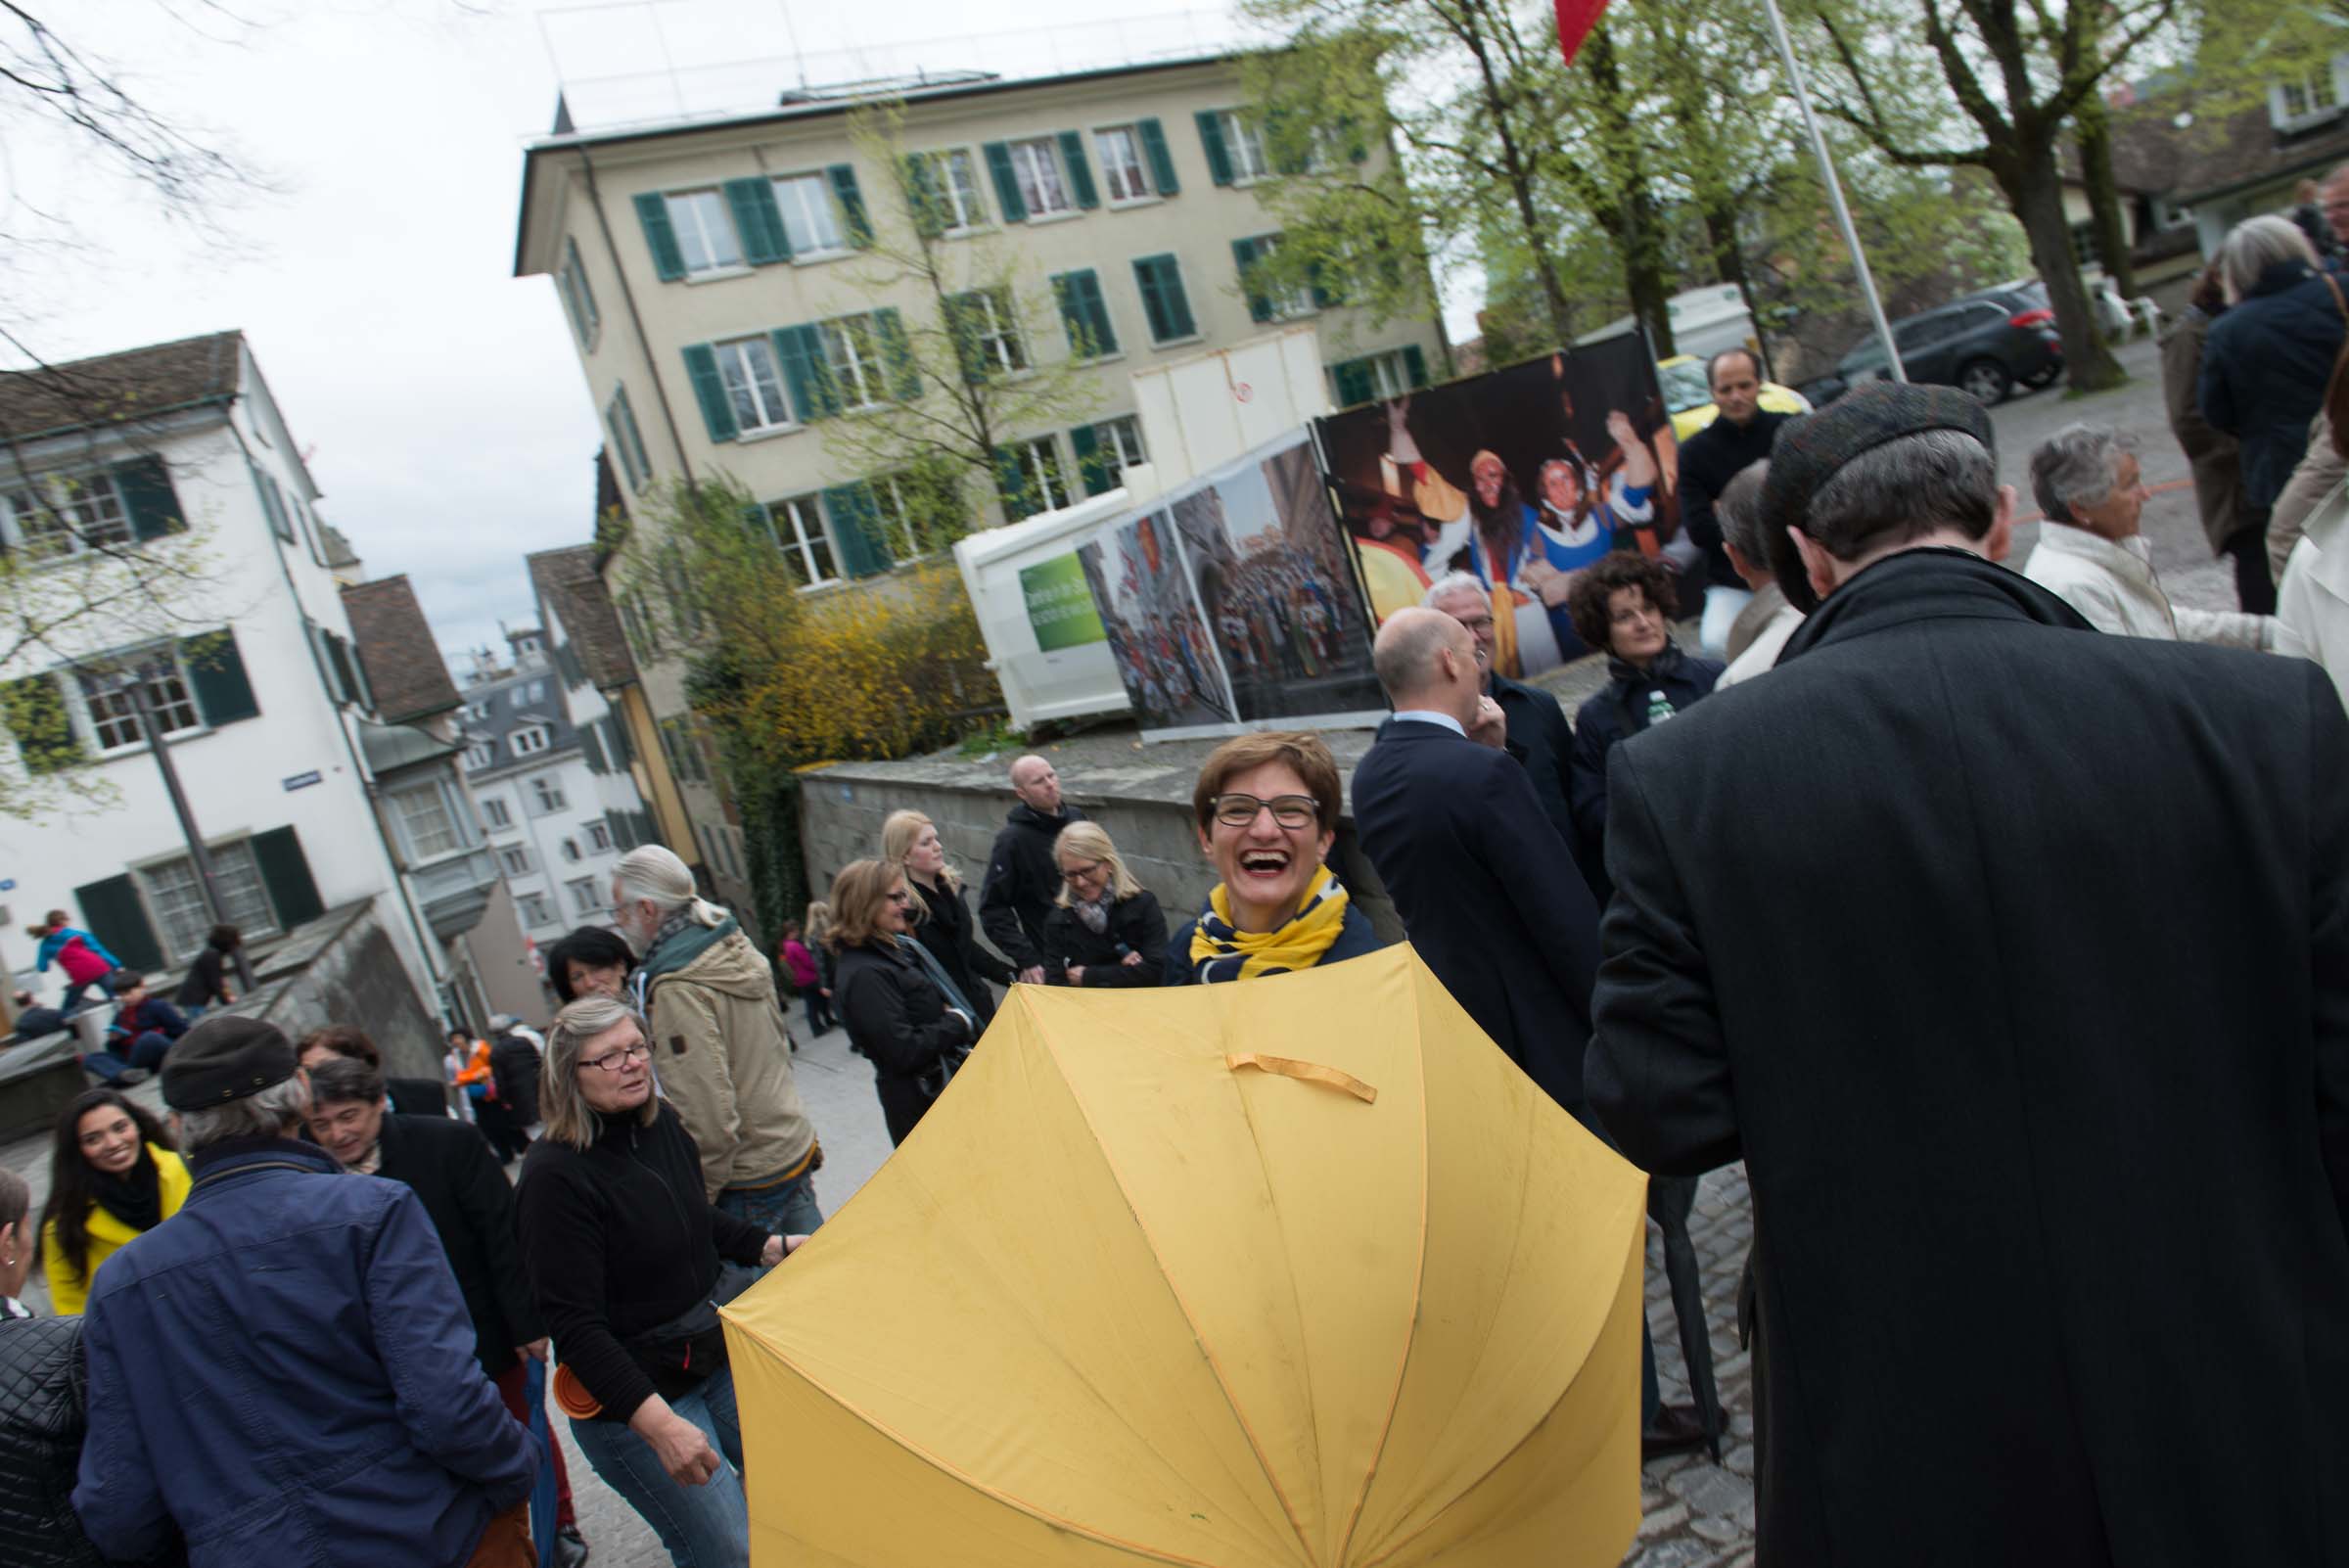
(2013, 959)
(1539, 735)
(1487, 892)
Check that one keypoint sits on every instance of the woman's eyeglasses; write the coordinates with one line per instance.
(1082, 873)
(1289, 811)
(618, 1061)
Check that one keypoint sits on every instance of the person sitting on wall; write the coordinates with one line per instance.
(143, 1030)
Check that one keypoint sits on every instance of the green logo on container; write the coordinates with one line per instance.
(1060, 604)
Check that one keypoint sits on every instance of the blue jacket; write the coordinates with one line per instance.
(47, 952)
(2265, 365)
(284, 1372)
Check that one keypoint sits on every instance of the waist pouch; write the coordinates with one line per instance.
(686, 1349)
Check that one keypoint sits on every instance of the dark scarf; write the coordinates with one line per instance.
(136, 1196)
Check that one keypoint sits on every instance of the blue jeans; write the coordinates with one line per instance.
(146, 1053)
(786, 1209)
(708, 1526)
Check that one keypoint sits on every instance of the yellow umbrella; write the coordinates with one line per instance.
(1298, 1271)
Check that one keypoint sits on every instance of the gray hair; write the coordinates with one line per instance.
(1909, 487)
(563, 1108)
(2257, 244)
(345, 1081)
(1738, 510)
(256, 1115)
(654, 873)
(1456, 582)
(2077, 465)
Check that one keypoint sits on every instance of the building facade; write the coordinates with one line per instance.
(157, 516)
(718, 279)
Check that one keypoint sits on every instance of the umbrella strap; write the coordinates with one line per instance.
(1309, 1072)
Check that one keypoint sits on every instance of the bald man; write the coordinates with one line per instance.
(1022, 876)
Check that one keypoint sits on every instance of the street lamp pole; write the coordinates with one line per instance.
(135, 687)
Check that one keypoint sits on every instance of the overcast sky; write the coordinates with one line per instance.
(437, 397)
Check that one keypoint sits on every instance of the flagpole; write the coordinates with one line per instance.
(1826, 172)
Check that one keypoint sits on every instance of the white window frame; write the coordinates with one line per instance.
(1040, 477)
(172, 691)
(531, 739)
(791, 199)
(406, 820)
(1243, 148)
(707, 225)
(480, 755)
(578, 297)
(1131, 173)
(628, 438)
(799, 529)
(496, 812)
(740, 361)
(549, 790)
(599, 835)
(897, 519)
(1112, 439)
(81, 506)
(238, 877)
(999, 330)
(2322, 81)
(571, 851)
(1390, 373)
(853, 353)
(514, 860)
(531, 906)
(1288, 303)
(1035, 169)
(954, 172)
(585, 900)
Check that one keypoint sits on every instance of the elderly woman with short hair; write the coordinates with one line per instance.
(2093, 555)
(1267, 807)
(1105, 928)
(622, 1250)
(2264, 366)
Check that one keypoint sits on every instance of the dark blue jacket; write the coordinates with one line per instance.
(2265, 363)
(1487, 892)
(1356, 936)
(1614, 713)
(282, 1371)
(1540, 738)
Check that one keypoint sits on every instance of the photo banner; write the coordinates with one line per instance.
(1232, 603)
(1521, 477)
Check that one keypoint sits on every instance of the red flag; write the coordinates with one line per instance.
(1575, 18)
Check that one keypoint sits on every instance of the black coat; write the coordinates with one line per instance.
(949, 934)
(1015, 898)
(2265, 364)
(2013, 959)
(513, 1066)
(454, 1175)
(1709, 460)
(1540, 738)
(1487, 892)
(894, 1014)
(1617, 710)
(43, 1416)
(1136, 924)
(617, 1239)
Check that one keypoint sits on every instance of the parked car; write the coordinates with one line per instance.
(1688, 396)
(1985, 345)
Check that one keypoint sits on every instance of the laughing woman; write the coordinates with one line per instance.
(1267, 811)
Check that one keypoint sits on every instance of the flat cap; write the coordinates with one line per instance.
(226, 1058)
(1810, 449)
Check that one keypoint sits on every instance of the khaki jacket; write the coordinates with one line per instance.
(723, 1059)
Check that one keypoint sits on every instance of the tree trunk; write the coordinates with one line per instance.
(1517, 170)
(2091, 129)
(1729, 264)
(2034, 189)
(1641, 244)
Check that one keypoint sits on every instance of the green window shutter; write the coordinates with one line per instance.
(1160, 279)
(216, 670)
(338, 658)
(116, 916)
(652, 212)
(857, 530)
(1283, 144)
(1072, 315)
(1162, 161)
(1007, 184)
(148, 498)
(595, 747)
(710, 390)
(800, 351)
(34, 711)
(1211, 137)
(1324, 294)
(1096, 309)
(1080, 172)
(1415, 364)
(905, 377)
(923, 200)
(1154, 308)
(286, 877)
(273, 505)
(615, 740)
(1351, 378)
(1089, 466)
(962, 333)
(853, 215)
(1260, 305)
(1011, 485)
(758, 222)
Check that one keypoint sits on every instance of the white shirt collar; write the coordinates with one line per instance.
(1429, 716)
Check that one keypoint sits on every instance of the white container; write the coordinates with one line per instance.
(1041, 683)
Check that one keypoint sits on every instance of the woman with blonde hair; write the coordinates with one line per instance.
(901, 1009)
(622, 1250)
(1105, 928)
(943, 920)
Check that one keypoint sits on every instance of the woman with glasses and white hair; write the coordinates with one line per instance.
(623, 1249)
(1105, 928)
(900, 1008)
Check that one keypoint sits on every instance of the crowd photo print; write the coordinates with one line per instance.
(1523, 475)
(1156, 632)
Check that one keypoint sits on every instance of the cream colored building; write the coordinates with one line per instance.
(721, 304)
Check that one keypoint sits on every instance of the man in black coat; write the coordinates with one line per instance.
(1539, 736)
(1709, 460)
(2013, 959)
(1487, 889)
(1022, 878)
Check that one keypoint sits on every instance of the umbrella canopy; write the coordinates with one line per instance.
(1300, 1270)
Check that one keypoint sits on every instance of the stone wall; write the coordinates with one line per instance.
(343, 968)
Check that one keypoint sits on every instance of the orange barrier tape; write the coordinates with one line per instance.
(1310, 1072)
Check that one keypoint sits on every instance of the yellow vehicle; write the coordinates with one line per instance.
(1690, 399)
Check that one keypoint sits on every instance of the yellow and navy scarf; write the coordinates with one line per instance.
(1220, 951)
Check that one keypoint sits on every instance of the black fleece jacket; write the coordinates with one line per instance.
(1135, 923)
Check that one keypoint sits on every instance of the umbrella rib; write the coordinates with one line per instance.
(1213, 1365)
(1386, 1431)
